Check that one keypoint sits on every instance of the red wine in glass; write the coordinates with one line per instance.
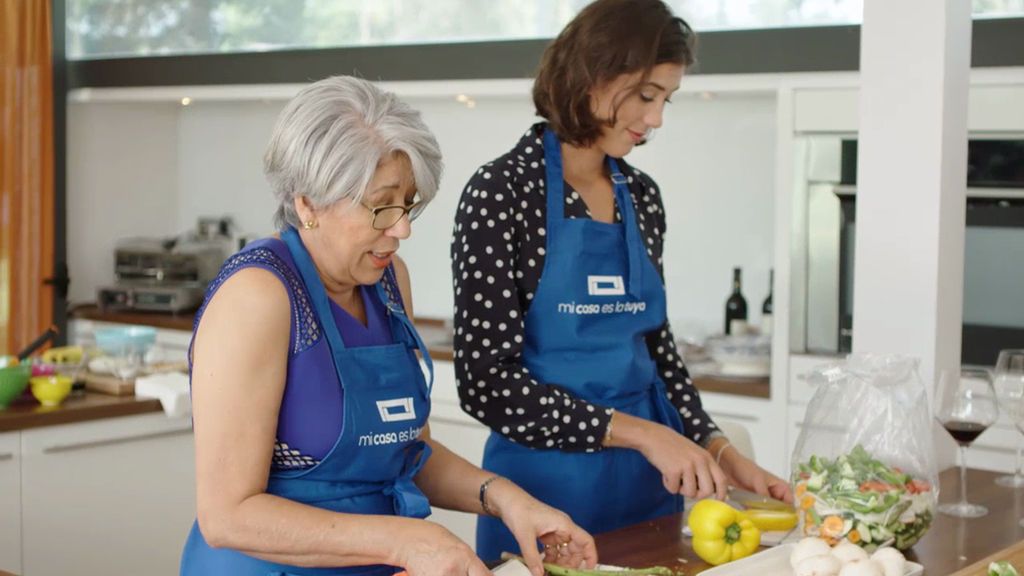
(964, 432)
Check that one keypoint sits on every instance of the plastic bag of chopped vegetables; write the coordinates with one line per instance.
(864, 468)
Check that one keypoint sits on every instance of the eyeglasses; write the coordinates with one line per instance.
(384, 217)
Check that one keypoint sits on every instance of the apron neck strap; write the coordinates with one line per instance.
(634, 243)
(555, 190)
(315, 288)
(401, 325)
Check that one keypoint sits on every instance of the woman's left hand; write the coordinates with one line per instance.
(530, 520)
(745, 473)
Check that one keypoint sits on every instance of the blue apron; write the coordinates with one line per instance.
(371, 467)
(599, 295)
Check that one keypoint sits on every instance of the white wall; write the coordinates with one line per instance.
(122, 181)
(220, 164)
(714, 160)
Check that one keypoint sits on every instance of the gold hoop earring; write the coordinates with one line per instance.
(309, 224)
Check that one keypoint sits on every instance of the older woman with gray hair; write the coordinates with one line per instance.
(313, 452)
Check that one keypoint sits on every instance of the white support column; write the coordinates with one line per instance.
(911, 180)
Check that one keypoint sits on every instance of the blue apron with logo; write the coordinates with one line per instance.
(599, 295)
(371, 467)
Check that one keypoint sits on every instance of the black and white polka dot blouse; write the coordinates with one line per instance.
(497, 253)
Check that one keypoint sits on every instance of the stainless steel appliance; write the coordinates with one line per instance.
(165, 275)
(993, 316)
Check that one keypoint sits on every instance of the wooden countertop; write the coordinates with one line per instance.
(950, 545)
(26, 413)
(182, 321)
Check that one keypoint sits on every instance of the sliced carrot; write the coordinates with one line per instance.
(806, 502)
(832, 526)
(801, 488)
(853, 536)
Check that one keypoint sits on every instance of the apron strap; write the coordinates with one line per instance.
(634, 244)
(556, 207)
(317, 295)
(554, 188)
(401, 326)
(409, 500)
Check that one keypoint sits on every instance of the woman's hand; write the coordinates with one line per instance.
(685, 467)
(530, 520)
(745, 473)
(428, 549)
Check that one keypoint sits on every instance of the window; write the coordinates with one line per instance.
(120, 28)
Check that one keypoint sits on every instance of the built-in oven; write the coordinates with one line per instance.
(993, 308)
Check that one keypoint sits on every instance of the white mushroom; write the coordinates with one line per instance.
(847, 552)
(808, 547)
(891, 560)
(821, 565)
(865, 567)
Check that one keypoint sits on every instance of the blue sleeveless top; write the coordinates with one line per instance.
(311, 415)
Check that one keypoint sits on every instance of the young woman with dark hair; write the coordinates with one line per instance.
(562, 342)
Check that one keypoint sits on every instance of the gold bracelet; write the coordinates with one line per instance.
(718, 457)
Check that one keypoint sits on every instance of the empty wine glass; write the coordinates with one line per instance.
(127, 362)
(1009, 386)
(965, 405)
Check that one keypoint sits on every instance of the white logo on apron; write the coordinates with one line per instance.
(396, 410)
(605, 286)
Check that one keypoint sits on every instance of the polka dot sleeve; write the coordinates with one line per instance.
(497, 257)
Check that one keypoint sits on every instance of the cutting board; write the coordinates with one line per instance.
(109, 384)
(1013, 554)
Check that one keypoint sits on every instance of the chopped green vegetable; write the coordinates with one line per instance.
(1002, 568)
(863, 500)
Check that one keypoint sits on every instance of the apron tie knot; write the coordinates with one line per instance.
(409, 500)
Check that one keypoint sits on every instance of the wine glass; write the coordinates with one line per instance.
(965, 405)
(1009, 386)
(127, 362)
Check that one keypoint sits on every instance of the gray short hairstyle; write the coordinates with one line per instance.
(330, 138)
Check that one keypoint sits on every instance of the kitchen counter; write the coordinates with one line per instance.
(25, 412)
(952, 544)
(438, 340)
(435, 336)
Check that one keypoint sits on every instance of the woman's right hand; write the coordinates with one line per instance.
(431, 550)
(685, 467)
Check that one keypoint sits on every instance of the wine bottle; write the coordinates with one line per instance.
(766, 308)
(736, 307)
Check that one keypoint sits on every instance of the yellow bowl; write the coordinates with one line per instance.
(51, 390)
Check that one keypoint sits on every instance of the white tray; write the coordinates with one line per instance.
(775, 562)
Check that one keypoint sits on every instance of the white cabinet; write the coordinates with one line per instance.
(760, 417)
(10, 502)
(461, 434)
(114, 496)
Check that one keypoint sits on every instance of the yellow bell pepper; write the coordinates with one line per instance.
(768, 520)
(722, 533)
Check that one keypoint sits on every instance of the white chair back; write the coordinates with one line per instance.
(738, 435)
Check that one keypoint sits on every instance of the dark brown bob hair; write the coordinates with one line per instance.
(606, 39)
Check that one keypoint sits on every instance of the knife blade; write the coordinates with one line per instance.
(748, 499)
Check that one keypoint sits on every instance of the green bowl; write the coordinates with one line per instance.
(13, 381)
